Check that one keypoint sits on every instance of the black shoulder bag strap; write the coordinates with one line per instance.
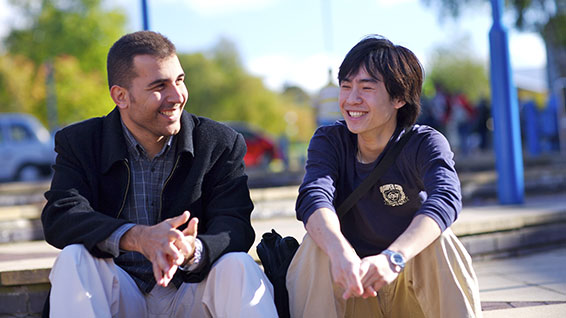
(377, 172)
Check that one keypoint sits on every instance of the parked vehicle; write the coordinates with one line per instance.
(26, 148)
(261, 148)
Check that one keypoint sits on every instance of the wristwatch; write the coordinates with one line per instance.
(396, 259)
(193, 262)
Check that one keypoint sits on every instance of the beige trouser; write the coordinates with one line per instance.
(86, 286)
(438, 283)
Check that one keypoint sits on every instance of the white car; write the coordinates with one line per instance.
(26, 148)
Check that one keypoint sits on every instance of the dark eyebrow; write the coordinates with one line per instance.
(163, 80)
(368, 80)
(157, 81)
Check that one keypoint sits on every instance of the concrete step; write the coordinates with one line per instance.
(544, 174)
(489, 232)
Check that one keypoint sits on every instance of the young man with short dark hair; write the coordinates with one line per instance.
(150, 204)
(393, 254)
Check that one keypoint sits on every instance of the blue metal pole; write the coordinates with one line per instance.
(531, 129)
(145, 15)
(505, 110)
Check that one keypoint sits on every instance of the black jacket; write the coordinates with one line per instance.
(92, 178)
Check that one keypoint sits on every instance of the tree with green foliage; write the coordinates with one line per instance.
(455, 67)
(297, 94)
(52, 28)
(546, 17)
(80, 94)
(220, 88)
(72, 38)
(22, 88)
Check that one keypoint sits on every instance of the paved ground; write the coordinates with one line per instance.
(528, 286)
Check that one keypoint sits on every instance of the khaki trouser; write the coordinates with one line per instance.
(438, 283)
(86, 286)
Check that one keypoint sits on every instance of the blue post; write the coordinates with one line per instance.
(144, 15)
(530, 124)
(507, 134)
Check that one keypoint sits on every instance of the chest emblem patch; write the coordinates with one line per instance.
(393, 194)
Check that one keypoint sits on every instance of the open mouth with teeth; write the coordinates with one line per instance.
(170, 113)
(356, 114)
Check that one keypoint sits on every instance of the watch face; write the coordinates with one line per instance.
(398, 259)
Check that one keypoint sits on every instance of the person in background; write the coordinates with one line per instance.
(393, 254)
(150, 203)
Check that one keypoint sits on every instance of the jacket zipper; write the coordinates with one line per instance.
(163, 188)
(127, 188)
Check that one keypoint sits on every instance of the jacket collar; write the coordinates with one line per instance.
(114, 148)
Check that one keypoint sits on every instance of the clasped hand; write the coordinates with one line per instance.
(164, 245)
(362, 277)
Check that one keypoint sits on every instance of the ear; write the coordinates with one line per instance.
(398, 103)
(120, 96)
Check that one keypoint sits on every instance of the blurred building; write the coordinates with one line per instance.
(326, 103)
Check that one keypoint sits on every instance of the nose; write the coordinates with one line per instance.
(353, 96)
(178, 94)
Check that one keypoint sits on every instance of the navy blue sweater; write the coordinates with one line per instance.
(422, 180)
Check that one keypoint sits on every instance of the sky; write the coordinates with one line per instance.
(296, 42)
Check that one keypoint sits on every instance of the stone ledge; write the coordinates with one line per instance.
(23, 291)
(492, 219)
(280, 193)
(515, 242)
(19, 212)
(484, 246)
(25, 277)
(487, 232)
(26, 263)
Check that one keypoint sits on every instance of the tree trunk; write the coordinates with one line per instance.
(555, 41)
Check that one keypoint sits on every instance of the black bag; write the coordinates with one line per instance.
(276, 252)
